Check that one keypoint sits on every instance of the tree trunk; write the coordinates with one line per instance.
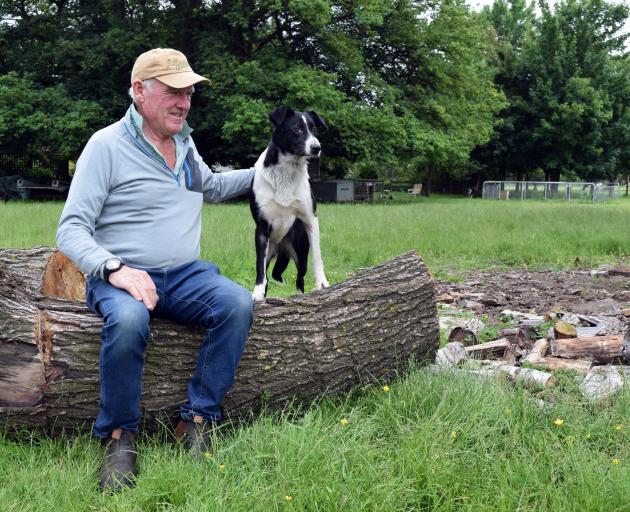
(360, 331)
(426, 182)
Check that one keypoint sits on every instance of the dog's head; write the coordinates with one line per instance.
(295, 132)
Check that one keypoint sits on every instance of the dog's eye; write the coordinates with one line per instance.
(299, 131)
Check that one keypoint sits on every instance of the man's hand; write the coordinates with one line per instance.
(138, 283)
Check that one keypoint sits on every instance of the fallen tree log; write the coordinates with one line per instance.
(600, 349)
(363, 330)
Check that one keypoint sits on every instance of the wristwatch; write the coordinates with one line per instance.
(111, 265)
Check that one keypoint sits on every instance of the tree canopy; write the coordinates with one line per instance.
(565, 75)
(409, 89)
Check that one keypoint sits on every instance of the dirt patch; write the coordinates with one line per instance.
(493, 291)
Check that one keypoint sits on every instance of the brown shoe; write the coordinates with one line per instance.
(195, 435)
(119, 466)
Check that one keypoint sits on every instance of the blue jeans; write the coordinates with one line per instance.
(194, 294)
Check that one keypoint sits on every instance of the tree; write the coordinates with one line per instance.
(405, 85)
(567, 99)
(37, 120)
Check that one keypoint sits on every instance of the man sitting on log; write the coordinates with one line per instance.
(132, 223)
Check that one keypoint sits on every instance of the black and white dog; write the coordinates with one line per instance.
(282, 203)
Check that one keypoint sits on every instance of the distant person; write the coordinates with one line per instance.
(132, 223)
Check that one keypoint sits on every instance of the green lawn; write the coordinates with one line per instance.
(451, 234)
(431, 442)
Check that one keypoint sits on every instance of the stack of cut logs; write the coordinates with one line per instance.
(592, 346)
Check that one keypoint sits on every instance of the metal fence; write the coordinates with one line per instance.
(549, 190)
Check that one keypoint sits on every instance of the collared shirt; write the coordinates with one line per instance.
(179, 138)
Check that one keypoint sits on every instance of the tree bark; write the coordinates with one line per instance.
(363, 330)
(601, 349)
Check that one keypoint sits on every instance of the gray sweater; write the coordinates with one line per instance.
(124, 202)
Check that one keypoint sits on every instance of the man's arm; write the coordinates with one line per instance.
(223, 185)
(88, 191)
(75, 234)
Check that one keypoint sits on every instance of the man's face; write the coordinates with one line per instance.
(164, 109)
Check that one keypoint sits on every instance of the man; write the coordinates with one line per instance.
(132, 223)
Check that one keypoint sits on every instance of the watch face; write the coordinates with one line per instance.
(112, 264)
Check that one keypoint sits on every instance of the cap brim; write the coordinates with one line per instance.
(182, 80)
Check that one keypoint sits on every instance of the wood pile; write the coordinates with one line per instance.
(589, 341)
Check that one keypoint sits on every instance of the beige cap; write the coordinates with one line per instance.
(168, 66)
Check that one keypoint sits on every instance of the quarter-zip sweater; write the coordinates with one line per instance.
(125, 202)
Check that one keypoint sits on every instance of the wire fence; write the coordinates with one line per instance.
(549, 190)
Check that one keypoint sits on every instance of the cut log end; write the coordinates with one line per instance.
(62, 279)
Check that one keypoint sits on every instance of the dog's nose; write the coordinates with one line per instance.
(315, 149)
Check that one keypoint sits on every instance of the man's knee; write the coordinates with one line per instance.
(242, 304)
(128, 327)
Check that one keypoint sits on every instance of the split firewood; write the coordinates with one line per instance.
(563, 330)
(461, 335)
(496, 348)
(451, 355)
(580, 366)
(619, 271)
(625, 346)
(525, 337)
(601, 349)
(604, 381)
(519, 315)
(527, 376)
(538, 351)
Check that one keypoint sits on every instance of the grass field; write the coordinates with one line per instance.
(451, 234)
(430, 442)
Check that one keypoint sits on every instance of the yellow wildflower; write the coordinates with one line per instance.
(386, 389)
(344, 421)
(288, 497)
(558, 422)
(619, 427)
(454, 435)
(616, 462)
(207, 455)
(221, 466)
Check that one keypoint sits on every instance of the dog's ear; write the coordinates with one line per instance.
(317, 119)
(279, 115)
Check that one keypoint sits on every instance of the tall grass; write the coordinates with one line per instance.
(442, 442)
(432, 442)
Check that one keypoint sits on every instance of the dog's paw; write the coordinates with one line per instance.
(322, 284)
(259, 293)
